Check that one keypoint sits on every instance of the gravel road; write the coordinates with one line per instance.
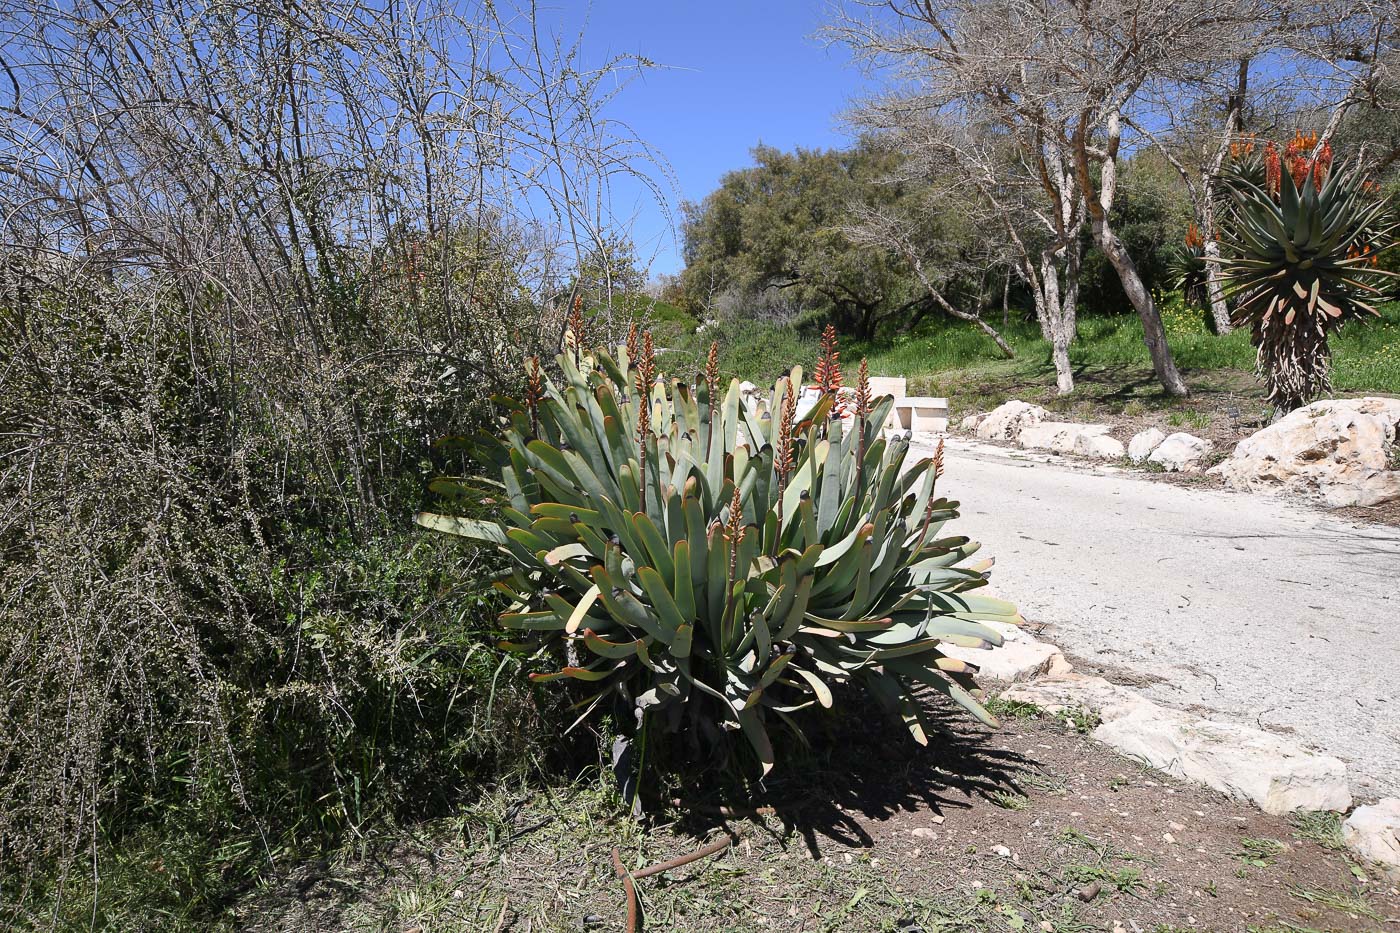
(1263, 610)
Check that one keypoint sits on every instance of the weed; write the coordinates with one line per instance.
(1191, 419)
(1083, 721)
(1259, 852)
(1012, 709)
(1008, 801)
(1345, 901)
(1320, 826)
(1122, 879)
(1039, 780)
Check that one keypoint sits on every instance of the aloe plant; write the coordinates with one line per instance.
(1299, 258)
(1187, 267)
(716, 568)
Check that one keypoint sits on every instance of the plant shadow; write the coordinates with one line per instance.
(864, 767)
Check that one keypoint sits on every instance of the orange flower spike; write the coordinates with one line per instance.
(1273, 170)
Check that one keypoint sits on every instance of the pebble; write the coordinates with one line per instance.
(1003, 851)
(1089, 892)
(1168, 838)
(923, 832)
(1175, 826)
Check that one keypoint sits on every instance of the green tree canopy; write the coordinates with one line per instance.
(781, 224)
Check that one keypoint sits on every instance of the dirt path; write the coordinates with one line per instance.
(1265, 610)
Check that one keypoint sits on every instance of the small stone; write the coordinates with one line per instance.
(923, 832)
(1176, 827)
(1169, 838)
(1002, 851)
(1089, 891)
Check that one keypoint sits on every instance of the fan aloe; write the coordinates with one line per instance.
(1299, 258)
(714, 566)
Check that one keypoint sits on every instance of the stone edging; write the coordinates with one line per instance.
(1276, 774)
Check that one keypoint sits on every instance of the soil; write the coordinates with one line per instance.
(1032, 826)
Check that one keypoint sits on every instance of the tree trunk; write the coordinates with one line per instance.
(1215, 291)
(1153, 333)
(1053, 322)
(1006, 299)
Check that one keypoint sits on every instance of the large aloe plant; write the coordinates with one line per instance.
(1299, 258)
(709, 564)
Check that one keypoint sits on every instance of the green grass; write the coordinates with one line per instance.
(1366, 357)
(943, 357)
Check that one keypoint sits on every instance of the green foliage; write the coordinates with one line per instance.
(1150, 213)
(710, 567)
(756, 350)
(779, 225)
(1366, 359)
(1299, 259)
(219, 645)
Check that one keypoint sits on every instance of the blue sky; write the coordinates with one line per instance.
(732, 73)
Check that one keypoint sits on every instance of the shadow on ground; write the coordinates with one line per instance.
(872, 770)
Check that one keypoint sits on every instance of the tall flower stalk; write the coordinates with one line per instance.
(828, 374)
(783, 450)
(862, 412)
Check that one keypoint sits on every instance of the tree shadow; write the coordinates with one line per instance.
(864, 767)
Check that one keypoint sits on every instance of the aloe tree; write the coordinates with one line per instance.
(1299, 257)
(715, 569)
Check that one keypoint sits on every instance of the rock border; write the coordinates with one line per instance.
(1029, 426)
(1276, 774)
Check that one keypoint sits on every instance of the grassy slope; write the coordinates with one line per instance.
(947, 359)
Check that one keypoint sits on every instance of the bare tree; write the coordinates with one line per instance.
(1064, 74)
(255, 257)
(1196, 122)
(1020, 194)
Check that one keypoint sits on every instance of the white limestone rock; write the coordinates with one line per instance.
(1276, 774)
(1341, 450)
(1143, 443)
(1099, 446)
(1006, 421)
(1181, 453)
(1061, 437)
(1373, 832)
(1020, 657)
